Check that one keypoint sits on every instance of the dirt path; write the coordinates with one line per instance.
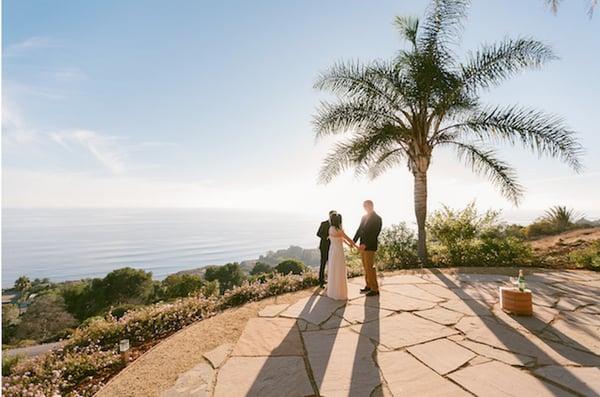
(32, 351)
(566, 239)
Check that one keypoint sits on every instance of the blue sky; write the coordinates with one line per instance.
(193, 103)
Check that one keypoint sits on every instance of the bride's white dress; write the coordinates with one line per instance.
(337, 283)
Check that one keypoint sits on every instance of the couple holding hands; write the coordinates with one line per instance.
(333, 237)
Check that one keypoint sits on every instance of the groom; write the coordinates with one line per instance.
(323, 234)
(368, 232)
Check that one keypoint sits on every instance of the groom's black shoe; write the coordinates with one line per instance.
(372, 293)
(366, 289)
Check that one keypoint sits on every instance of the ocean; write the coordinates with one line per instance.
(70, 244)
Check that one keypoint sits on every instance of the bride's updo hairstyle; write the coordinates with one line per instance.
(336, 221)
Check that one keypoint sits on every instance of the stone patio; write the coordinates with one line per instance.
(428, 334)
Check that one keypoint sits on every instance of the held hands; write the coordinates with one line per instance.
(358, 247)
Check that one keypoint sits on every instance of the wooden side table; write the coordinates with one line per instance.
(516, 302)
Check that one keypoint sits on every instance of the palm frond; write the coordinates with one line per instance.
(354, 80)
(386, 161)
(362, 151)
(494, 63)
(339, 159)
(443, 25)
(484, 162)
(542, 133)
(349, 115)
(408, 27)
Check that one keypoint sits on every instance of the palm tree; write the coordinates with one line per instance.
(561, 216)
(400, 111)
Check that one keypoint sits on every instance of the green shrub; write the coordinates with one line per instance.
(354, 266)
(397, 247)
(181, 285)
(46, 318)
(211, 288)
(467, 238)
(229, 276)
(261, 268)
(290, 266)
(587, 257)
(10, 321)
(541, 227)
(8, 362)
(87, 298)
(127, 285)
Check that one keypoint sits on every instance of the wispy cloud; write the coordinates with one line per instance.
(31, 43)
(106, 150)
(14, 128)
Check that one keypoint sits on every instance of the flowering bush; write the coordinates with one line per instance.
(64, 372)
(90, 356)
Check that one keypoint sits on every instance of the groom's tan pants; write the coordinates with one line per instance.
(368, 260)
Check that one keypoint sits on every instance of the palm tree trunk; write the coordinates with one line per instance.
(420, 192)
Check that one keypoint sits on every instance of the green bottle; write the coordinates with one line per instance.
(521, 281)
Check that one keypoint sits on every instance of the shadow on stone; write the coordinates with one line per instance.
(501, 334)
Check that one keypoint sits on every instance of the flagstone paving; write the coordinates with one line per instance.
(427, 334)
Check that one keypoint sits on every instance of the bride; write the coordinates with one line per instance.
(337, 285)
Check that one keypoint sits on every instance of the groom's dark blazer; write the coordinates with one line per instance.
(368, 231)
(323, 234)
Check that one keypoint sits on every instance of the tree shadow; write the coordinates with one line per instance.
(517, 343)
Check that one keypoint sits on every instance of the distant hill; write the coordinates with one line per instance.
(310, 257)
(588, 223)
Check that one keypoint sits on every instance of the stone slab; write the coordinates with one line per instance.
(269, 337)
(273, 310)
(441, 315)
(571, 303)
(509, 358)
(406, 376)
(495, 379)
(196, 382)
(441, 355)
(263, 377)
(578, 335)
(438, 290)
(540, 319)
(218, 355)
(342, 362)
(315, 309)
(394, 302)
(404, 279)
(412, 291)
(404, 329)
(479, 360)
(585, 381)
(334, 322)
(358, 314)
(470, 307)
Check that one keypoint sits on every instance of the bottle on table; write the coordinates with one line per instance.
(521, 281)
